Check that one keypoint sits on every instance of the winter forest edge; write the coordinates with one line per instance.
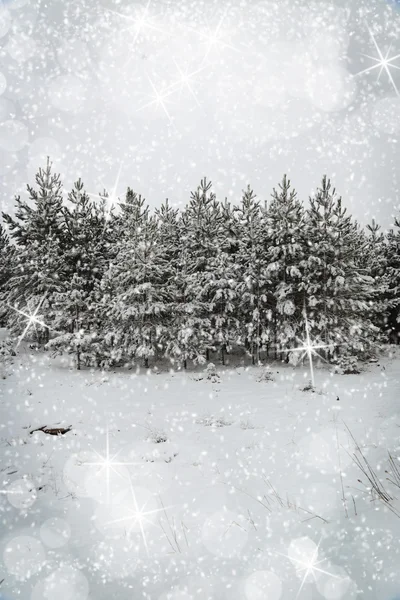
(113, 284)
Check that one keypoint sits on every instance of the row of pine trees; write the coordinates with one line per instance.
(114, 285)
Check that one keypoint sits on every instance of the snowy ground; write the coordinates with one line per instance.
(225, 489)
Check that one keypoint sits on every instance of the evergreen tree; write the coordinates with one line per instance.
(39, 233)
(87, 252)
(201, 225)
(175, 330)
(374, 262)
(219, 292)
(256, 301)
(285, 235)
(393, 282)
(139, 306)
(338, 290)
(7, 258)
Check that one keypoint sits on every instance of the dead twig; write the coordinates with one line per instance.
(53, 430)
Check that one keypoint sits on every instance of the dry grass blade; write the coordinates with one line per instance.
(366, 469)
(395, 471)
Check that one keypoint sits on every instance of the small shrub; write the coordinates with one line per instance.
(6, 350)
(266, 374)
(211, 373)
(308, 387)
(213, 421)
(157, 436)
(7, 353)
(246, 424)
(347, 365)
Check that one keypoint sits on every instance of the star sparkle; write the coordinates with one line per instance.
(138, 516)
(382, 62)
(216, 38)
(159, 98)
(187, 80)
(309, 348)
(108, 464)
(32, 319)
(139, 24)
(309, 564)
(111, 199)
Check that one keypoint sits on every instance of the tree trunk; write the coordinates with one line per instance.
(222, 355)
(146, 363)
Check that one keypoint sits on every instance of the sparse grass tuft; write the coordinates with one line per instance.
(157, 436)
(213, 421)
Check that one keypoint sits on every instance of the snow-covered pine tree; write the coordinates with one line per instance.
(374, 261)
(7, 258)
(201, 222)
(168, 236)
(229, 230)
(39, 270)
(220, 292)
(87, 252)
(285, 238)
(255, 312)
(137, 307)
(337, 289)
(393, 281)
(186, 334)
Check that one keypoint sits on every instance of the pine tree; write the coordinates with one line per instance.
(201, 224)
(393, 282)
(338, 290)
(219, 291)
(138, 306)
(285, 224)
(39, 232)
(222, 284)
(175, 329)
(86, 256)
(7, 258)
(374, 261)
(255, 312)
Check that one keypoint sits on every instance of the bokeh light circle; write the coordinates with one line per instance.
(55, 532)
(263, 585)
(21, 494)
(24, 556)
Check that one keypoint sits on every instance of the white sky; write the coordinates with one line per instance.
(270, 88)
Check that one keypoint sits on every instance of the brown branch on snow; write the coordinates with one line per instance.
(53, 430)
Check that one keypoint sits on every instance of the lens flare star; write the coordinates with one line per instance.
(111, 199)
(107, 463)
(309, 564)
(140, 23)
(138, 517)
(382, 62)
(215, 38)
(159, 98)
(186, 80)
(32, 319)
(309, 348)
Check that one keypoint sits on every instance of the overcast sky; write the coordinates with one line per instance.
(155, 95)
